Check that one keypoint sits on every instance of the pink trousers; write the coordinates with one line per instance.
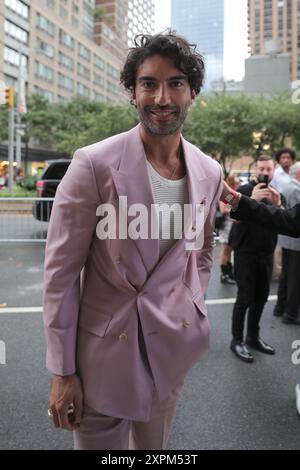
(100, 432)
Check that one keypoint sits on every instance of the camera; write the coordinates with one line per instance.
(263, 179)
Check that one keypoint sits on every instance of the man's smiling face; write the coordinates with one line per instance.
(162, 95)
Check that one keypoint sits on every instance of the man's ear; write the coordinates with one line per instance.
(132, 97)
(193, 95)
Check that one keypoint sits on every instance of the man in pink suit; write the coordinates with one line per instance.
(125, 316)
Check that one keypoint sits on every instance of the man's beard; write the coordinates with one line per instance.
(162, 127)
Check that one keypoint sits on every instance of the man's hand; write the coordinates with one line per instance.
(275, 197)
(233, 205)
(66, 391)
(260, 192)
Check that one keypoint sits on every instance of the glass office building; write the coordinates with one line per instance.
(202, 22)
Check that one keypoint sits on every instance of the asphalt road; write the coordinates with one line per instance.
(226, 404)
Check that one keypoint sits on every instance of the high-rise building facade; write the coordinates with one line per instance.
(141, 14)
(61, 58)
(118, 21)
(274, 25)
(202, 22)
(111, 26)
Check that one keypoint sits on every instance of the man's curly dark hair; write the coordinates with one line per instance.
(170, 45)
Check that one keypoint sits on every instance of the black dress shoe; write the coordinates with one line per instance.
(241, 351)
(290, 320)
(260, 345)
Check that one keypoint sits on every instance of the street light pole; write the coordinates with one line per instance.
(18, 118)
(21, 97)
(11, 124)
(21, 106)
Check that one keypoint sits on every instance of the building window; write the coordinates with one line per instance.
(16, 32)
(112, 72)
(108, 33)
(18, 7)
(98, 97)
(44, 24)
(63, 13)
(83, 71)
(12, 57)
(51, 4)
(83, 90)
(112, 88)
(75, 22)
(46, 93)
(65, 60)
(44, 72)
(65, 82)
(98, 62)
(98, 80)
(66, 39)
(84, 52)
(47, 49)
(75, 8)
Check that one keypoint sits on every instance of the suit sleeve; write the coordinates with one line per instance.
(71, 230)
(205, 256)
(284, 221)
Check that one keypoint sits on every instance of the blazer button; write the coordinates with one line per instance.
(123, 337)
(194, 228)
(118, 259)
(185, 323)
(172, 291)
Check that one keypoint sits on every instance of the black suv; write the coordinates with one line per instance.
(47, 186)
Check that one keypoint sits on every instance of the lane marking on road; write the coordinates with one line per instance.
(40, 309)
(21, 310)
(232, 300)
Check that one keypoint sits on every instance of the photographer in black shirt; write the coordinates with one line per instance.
(253, 246)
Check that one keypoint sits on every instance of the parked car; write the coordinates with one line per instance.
(46, 187)
(245, 177)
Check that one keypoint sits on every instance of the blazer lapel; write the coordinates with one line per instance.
(132, 181)
(197, 181)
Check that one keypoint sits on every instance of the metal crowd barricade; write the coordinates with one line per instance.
(24, 219)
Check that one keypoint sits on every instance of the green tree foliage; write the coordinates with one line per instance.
(3, 123)
(86, 123)
(41, 121)
(221, 125)
(276, 123)
(228, 126)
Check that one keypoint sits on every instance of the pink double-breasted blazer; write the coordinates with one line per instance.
(115, 313)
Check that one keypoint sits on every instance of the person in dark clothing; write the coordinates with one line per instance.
(283, 221)
(253, 262)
